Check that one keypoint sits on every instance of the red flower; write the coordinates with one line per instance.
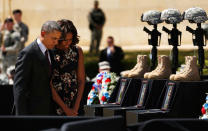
(88, 98)
(203, 110)
(93, 87)
(99, 81)
(103, 98)
(108, 80)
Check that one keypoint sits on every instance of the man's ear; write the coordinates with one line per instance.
(43, 33)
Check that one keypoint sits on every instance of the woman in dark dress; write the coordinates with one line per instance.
(68, 75)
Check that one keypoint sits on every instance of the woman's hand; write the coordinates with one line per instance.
(59, 101)
(70, 112)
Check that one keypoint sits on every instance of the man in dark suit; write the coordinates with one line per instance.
(114, 55)
(32, 93)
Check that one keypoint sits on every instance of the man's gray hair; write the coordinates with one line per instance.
(50, 26)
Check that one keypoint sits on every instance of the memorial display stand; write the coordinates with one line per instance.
(181, 100)
(154, 40)
(198, 38)
(174, 39)
(123, 95)
(147, 98)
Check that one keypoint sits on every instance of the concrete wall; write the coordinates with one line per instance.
(123, 17)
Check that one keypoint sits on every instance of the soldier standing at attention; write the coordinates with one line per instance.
(20, 27)
(10, 44)
(96, 20)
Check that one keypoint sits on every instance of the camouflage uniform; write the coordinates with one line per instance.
(96, 18)
(12, 45)
(24, 31)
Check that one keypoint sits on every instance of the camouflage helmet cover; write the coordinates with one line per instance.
(195, 15)
(171, 16)
(152, 17)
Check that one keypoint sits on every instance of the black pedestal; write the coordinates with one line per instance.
(121, 98)
(136, 116)
(113, 111)
(147, 99)
(97, 110)
(181, 100)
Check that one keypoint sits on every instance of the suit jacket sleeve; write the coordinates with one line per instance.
(102, 56)
(21, 83)
(119, 54)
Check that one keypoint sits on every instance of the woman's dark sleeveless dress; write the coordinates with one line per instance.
(64, 77)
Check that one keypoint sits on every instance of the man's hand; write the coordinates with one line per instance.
(112, 49)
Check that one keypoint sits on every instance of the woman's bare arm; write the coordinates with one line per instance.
(81, 79)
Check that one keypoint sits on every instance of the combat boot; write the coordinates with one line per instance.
(126, 73)
(192, 72)
(164, 69)
(146, 75)
(141, 68)
(187, 59)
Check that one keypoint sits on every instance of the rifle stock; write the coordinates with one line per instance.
(189, 29)
(166, 30)
(146, 30)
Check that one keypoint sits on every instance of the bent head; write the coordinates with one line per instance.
(69, 34)
(50, 34)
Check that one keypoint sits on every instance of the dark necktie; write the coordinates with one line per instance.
(49, 64)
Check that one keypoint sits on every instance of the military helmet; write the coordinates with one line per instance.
(152, 17)
(195, 15)
(171, 16)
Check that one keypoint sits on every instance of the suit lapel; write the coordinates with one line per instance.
(105, 52)
(41, 57)
(51, 53)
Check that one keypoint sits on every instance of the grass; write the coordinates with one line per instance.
(91, 60)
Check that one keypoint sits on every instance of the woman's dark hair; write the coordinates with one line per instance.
(67, 26)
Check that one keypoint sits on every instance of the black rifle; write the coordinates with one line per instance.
(173, 39)
(198, 37)
(153, 40)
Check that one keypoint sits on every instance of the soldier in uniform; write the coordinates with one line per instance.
(11, 44)
(96, 20)
(20, 27)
